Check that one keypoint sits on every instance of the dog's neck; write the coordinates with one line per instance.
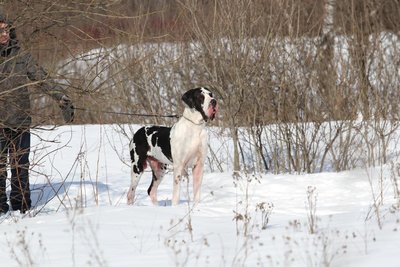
(193, 116)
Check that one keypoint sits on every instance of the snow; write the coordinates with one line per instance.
(80, 176)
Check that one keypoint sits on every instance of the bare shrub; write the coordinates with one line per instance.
(311, 207)
(266, 210)
(26, 248)
(395, 179)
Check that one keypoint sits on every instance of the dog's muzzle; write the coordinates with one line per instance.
(213, 108)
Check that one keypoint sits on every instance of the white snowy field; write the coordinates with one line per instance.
(79, 179)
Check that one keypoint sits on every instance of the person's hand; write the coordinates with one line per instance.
(67, 109)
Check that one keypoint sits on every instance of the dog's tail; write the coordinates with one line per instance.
(151, 186)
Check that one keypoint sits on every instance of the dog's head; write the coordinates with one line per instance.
(202, 100)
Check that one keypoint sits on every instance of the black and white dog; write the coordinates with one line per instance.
(184, 145)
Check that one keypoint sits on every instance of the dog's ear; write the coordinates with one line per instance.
(188, 98)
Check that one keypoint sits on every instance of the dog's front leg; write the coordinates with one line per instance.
(177, 184)
(197, 180)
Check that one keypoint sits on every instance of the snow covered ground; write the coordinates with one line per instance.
(79, 180)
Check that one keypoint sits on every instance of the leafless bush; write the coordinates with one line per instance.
(280, 69)
(311, 207)
(395, 179)
(266, 210)
(26, 248)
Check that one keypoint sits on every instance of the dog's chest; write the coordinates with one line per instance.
(187, 142)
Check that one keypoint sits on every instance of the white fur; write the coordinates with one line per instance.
(191, 154)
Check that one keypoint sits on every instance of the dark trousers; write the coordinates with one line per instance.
(14, 146)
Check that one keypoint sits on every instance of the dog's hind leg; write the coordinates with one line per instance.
(158, 170)
(135, 177)
(138, 166)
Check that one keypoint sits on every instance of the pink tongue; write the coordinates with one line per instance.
(215, 109)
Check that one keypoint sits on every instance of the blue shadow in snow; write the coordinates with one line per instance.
(41, 194)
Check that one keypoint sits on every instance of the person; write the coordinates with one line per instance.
(18, 71)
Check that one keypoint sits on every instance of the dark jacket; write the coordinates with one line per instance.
(18, 71)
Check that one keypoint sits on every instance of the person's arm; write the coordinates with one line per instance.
(49, 87)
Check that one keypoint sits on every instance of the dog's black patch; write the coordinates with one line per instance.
(160, 136)
(194, 98)
(141, 151)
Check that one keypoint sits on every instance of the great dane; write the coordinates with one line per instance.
(183, 145)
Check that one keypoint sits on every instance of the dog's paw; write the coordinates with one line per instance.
(175, 201)
(154, 201)
(130, 199)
